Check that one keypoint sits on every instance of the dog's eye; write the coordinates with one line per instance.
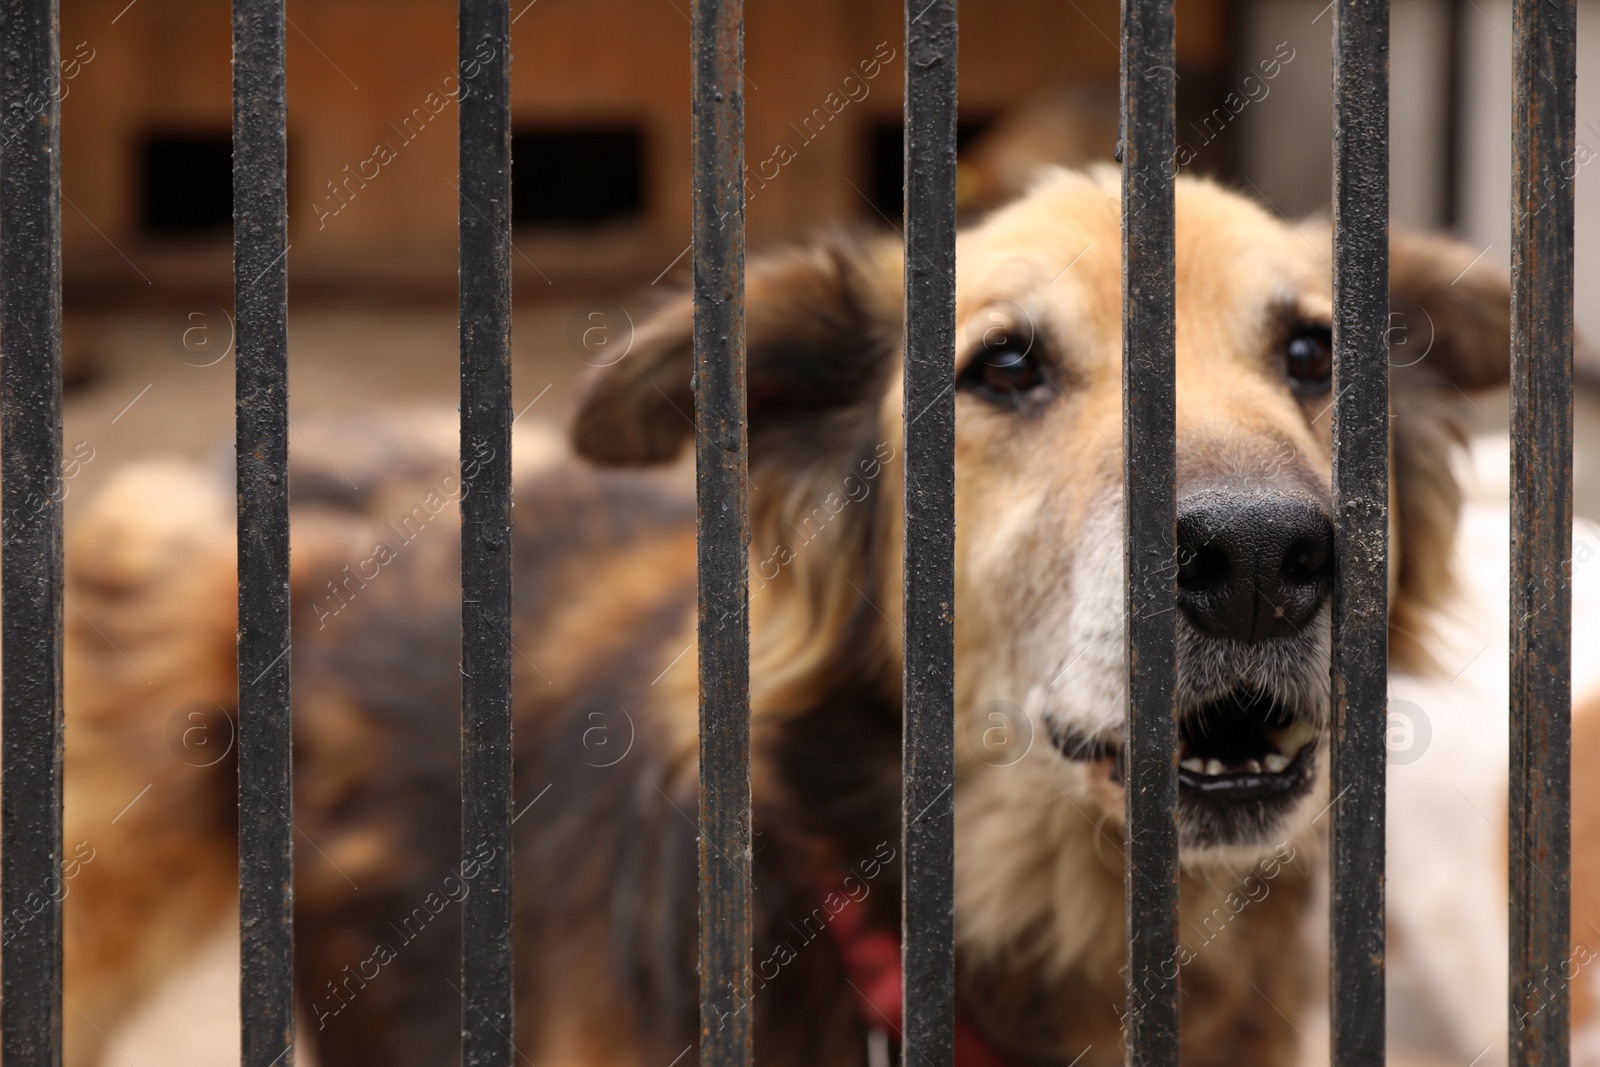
(1004, 371)
(1308, 357)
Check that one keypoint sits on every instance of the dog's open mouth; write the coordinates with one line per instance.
(1244, 748)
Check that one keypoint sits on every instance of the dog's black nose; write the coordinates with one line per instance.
(1252, 566)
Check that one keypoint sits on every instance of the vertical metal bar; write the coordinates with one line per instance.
(30, 516)
(721, 467)
(1361, 521)
(261, 294)
(928, 731)
(1542, 171)
(487, 1009)
(1149, 442)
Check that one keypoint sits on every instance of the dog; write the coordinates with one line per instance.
(605, 687)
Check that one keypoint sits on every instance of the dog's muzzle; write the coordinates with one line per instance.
(1255, 571)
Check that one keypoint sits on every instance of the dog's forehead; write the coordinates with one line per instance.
(1056, 252)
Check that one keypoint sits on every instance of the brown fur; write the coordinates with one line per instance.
(604, 572)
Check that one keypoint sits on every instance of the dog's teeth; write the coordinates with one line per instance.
(1195, 764)
(1214, 766)
(1293, 739)
(1253, 767)
(1276, 763)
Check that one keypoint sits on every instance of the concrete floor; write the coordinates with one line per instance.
(163, 383)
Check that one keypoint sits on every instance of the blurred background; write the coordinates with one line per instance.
(601, 198)
(601, 182)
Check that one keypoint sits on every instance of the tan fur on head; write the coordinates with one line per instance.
(812, 312)
(1045, 487)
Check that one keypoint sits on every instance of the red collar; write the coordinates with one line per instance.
(872, 961)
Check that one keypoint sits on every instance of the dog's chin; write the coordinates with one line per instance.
(1247, 765)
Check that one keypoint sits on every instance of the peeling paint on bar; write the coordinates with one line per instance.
(261, 294)
(928, 730)
(1544, 136)
(721, 466)
(30, 570)
(1358, 759)
(1149, 439)
(487, 995)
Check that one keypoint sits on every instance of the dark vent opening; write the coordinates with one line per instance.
(187, 185)
(886, 162)
(577, 176)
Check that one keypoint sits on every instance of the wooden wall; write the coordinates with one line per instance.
(357, 68)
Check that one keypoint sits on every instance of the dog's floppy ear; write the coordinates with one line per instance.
(818, 321)
(1450, 334)
(1450, 313)
(822, 339)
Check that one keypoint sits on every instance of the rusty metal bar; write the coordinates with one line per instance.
(928, 732)
(484, 183)
(261, 296)
(1543, 122)
(1149, 438)
(1361, 527)
(721, 466)
(30, 518)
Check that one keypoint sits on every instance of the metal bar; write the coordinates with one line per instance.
(721, 469)
(1361, 535)
(261, 294)
(1149, 442)
(487, 1009)
(1543, 167)
(928, 731)
(30, 516)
